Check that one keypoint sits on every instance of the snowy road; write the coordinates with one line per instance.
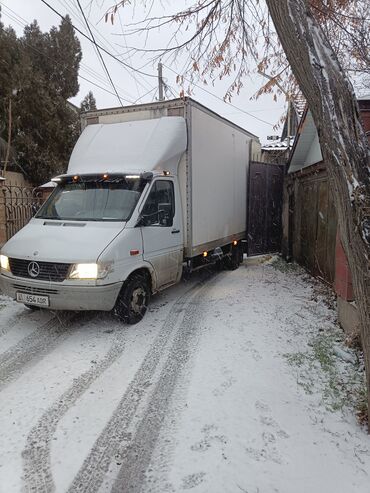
(216, 390)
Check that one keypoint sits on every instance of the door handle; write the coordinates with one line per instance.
(175, 231)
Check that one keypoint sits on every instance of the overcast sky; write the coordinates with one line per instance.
(131, 86)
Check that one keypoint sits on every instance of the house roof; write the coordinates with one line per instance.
(297, 106)
(306, 148)
(300, 105)
(278, 145)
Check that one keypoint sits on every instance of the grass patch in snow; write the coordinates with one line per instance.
(332, 370)
(283, 266)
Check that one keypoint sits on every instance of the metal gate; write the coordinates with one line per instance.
(17, 206)
(265, 201)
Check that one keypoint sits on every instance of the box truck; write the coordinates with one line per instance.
(151, 191)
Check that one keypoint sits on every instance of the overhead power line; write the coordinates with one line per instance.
(98, 52)
(98, 45)
(152, 75)
(220, 99)
(103, 88)
(22, 23)
(100, 38)
(146, 94)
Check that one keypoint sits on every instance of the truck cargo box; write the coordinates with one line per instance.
(212, 172)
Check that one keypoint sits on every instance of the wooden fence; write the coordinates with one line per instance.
(310, 222)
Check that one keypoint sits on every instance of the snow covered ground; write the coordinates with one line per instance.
(229, 384)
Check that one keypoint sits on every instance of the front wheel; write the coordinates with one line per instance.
(132, 302)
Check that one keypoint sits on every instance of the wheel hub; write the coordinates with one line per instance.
(138, 299)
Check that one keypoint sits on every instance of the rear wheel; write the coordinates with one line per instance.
(241, 253)
(132, 302)
(233, 261)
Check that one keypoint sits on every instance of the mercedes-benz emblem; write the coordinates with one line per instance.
(33, 269)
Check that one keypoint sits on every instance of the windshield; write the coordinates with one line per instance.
(93, 199)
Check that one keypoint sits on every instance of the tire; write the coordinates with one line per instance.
(132, 302)
(234, 260)
(241, 254)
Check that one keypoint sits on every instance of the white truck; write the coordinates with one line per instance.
(151, 190)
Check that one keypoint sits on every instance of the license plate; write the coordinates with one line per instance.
(32, 299)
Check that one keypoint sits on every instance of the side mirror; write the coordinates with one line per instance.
(35, 208)
(140, 221)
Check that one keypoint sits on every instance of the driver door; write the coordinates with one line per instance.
(161, 232)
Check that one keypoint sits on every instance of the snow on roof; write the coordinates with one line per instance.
(278, 145)
(300, 105)
(49, 184)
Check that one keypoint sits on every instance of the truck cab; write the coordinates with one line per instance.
(106, 237)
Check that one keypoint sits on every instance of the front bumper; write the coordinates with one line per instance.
(64, 296)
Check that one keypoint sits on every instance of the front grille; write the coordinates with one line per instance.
(47, 271)
(32, 290)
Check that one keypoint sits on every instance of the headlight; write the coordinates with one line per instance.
(4, 262)
(90, 271)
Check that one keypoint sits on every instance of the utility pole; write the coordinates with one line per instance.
(160, 82)
(9, 136)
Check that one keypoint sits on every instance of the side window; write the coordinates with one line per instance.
(159, 208)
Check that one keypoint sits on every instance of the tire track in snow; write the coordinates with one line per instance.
(16, 320)
(92, 473)
(137, 454)
(15, 361)
(37, 472)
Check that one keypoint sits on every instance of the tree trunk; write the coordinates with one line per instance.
(344, 146)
